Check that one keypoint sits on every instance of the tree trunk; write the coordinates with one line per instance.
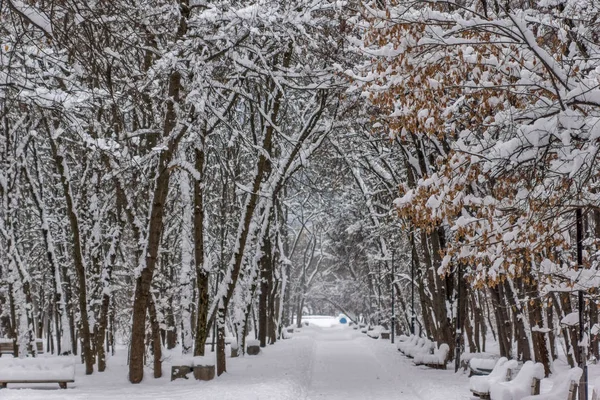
(201, 274)
(156, 339)
(61, 165)
(502, 320)
(536, 322)
(221, 363)
(266, 274)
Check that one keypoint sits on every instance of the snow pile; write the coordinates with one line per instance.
(570, 319)
(203, 361)
(252, 342)
(520, 387)
(561, 386)
(286, 335)
(183, 360)
(482, 384)
(39, 368)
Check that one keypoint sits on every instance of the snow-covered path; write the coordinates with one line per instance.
(344, 366)
(316, 364)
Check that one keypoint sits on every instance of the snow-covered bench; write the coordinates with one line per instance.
(481, 366)
(480, 385)
(563, 388)
(436, 360)
(424, 346)
(405, 344)
(465, 359)
(375, 332)
(59, 370)
(526, 383)
(403, 338)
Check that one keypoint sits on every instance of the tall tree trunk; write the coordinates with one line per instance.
(61, 165)
(157, 210)
(538, 327)
(563, 307)
(156, 339)
(520, 321)
(265, 280)
(201, 274)
(144, 281)
(502, 320)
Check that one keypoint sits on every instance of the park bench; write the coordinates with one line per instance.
(436, 360)
(424, 346)
(403, 338)
(527, 382)
(502, 372)
(564, 387)
(405, 344)
(375, 332)
(7, 346)
(482, 368)
(59, 370)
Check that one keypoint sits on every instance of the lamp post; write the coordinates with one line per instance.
(379, 293)
(458, 324)
(393, 296)
(583, 394)
(412, 295)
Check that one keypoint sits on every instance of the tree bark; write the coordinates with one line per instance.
(61, 165)
(201, 274)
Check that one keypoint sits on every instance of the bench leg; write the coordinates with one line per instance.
(62, 385)
(3, 385)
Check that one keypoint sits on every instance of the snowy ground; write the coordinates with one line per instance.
(324, 361)
(317, 363)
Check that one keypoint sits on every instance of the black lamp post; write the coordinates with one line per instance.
(458, 324)
(583, 394)
(393, 296)
(412, 295)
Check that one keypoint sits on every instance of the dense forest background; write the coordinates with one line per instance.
(173, 171)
